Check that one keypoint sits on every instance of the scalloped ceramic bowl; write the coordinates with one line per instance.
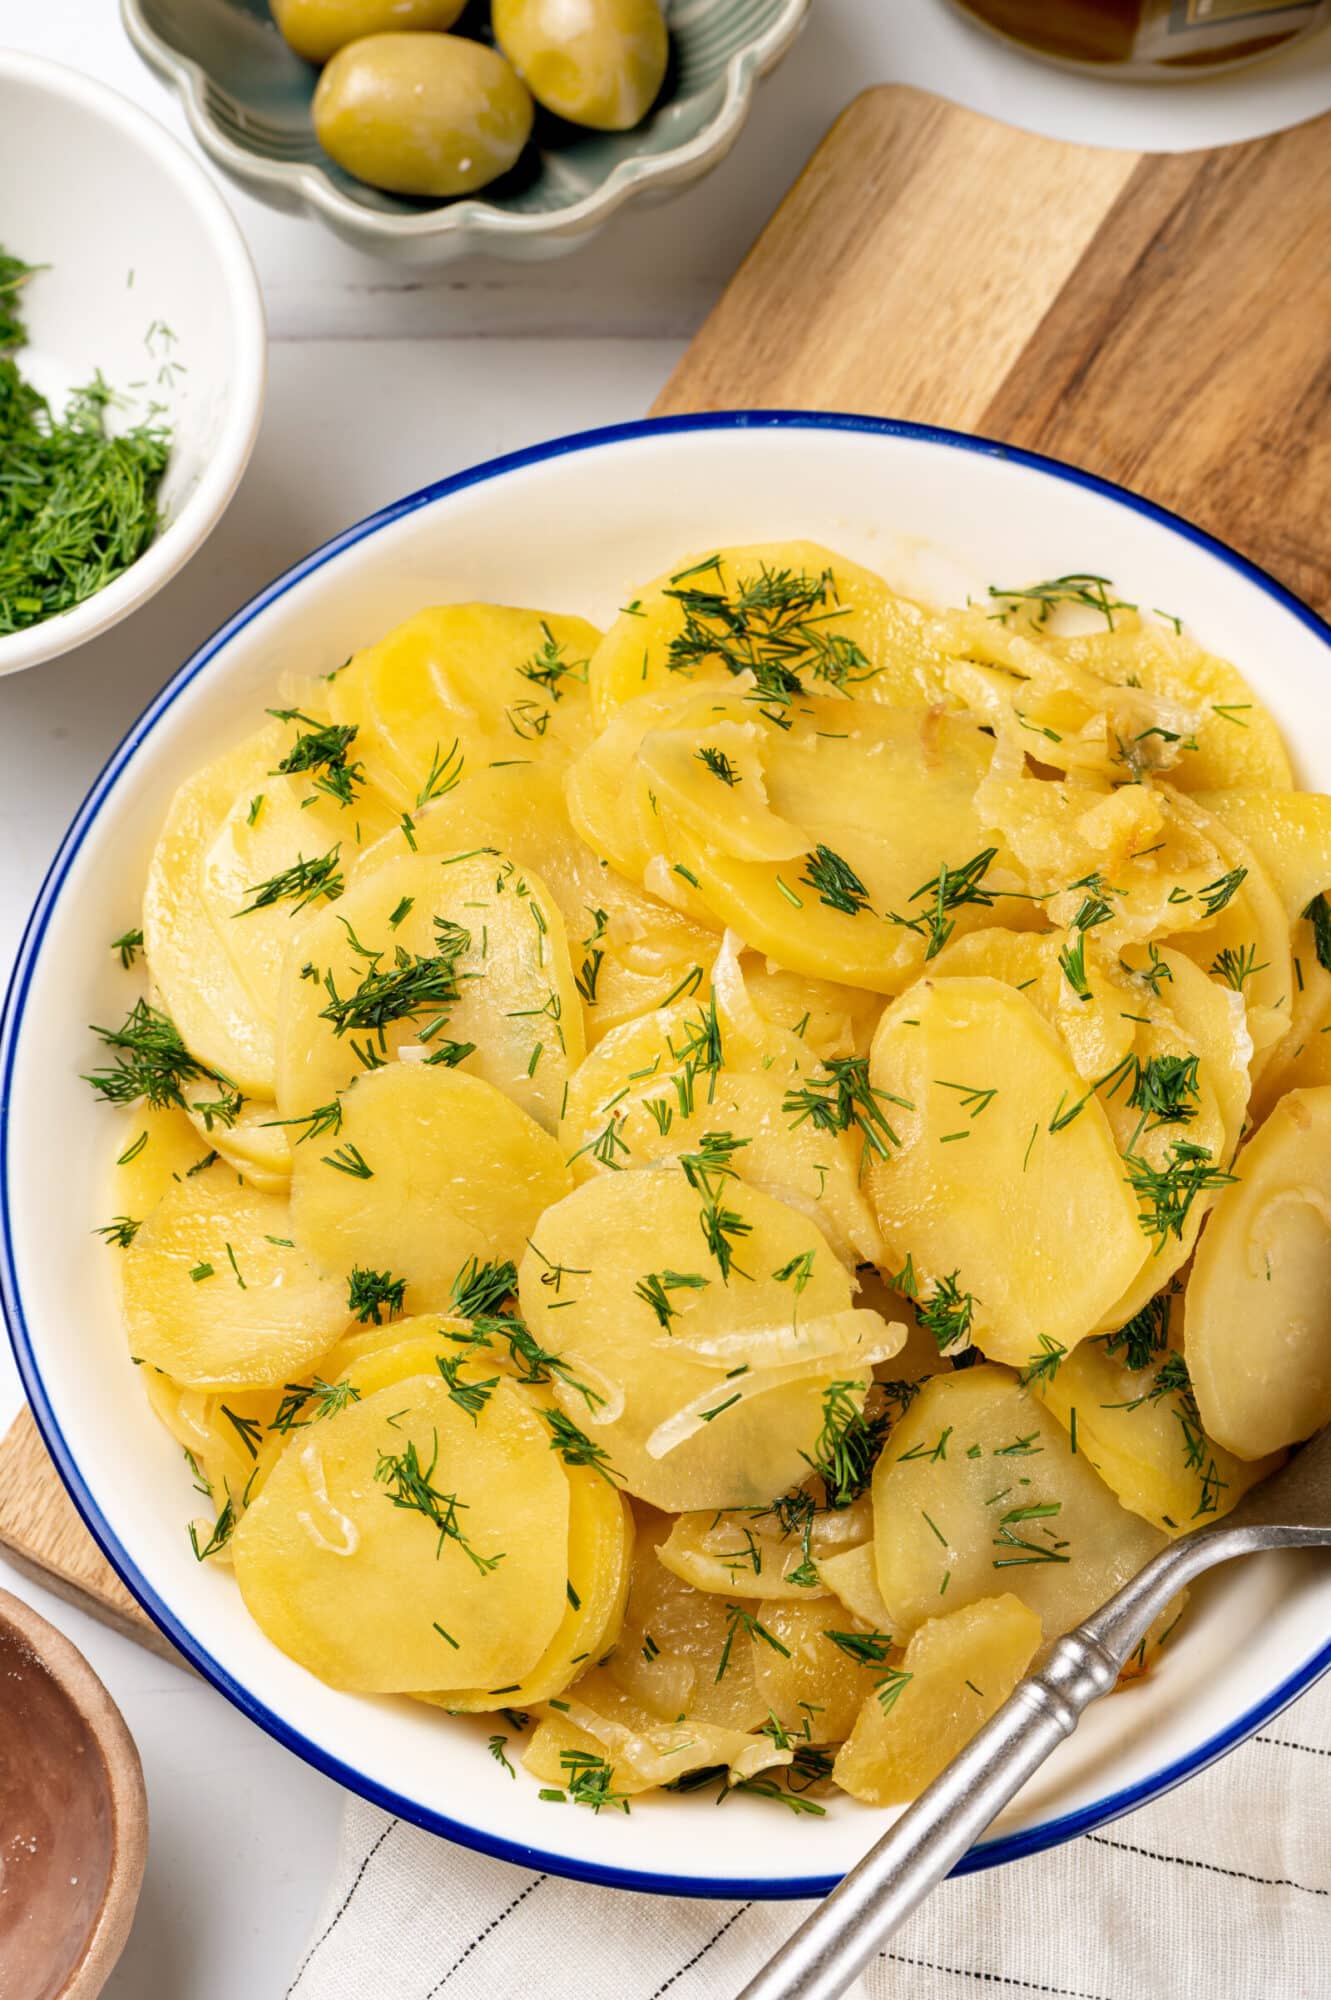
(247, 98)
(572, 525)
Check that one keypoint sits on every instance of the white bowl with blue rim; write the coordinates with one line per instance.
(571, 525)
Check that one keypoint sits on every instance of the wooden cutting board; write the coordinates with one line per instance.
(1162, 319)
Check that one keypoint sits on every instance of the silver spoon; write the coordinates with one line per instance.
(818, 1962)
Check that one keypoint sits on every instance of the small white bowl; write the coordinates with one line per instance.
(151, 283)
(573, 525)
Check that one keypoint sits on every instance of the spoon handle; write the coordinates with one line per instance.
(837, 1941)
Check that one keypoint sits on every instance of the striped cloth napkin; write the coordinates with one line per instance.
(1222, 1888)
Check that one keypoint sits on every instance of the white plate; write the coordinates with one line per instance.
(573, 526)
(147, 279)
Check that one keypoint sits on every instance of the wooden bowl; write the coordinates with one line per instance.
(73, 1816)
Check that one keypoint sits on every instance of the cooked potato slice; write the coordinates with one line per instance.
(1290, 834)
(752, 1554)
(957, 1672)
(217, 1296)
(1246, 945)
(156, 1148)
(459, 686)
(978, 1169)
(429, 1168)
(830, 1019)
(710, 776)
(709, 1319)
(228, 1440)
(600, 1554)
(599, 1732)
(1258, 1315)
(630, 951)
(278, 854)
(821, 616)
(649, 1092)
(1233, 739)
(1302, 1060)
(448, 1535)
(1141, 1431)
(250, 1139)
(462, 956)
(813, 1672)
(852, 1576)
(192, 968)
(888, 798)
(1004, 1501)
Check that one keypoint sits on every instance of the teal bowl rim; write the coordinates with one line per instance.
(472, 223)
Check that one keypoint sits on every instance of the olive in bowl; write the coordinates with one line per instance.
(422, 114)
(599, 63)
(317, 29)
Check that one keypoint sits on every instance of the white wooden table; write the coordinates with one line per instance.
(380, 380)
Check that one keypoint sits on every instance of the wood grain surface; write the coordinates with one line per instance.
(1163, 320)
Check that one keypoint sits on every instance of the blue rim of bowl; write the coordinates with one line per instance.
(986, 1854)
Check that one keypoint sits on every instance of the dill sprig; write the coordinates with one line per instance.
(548, 669)
(120, 1231)
(866, 1649)
(742, 1620)
(707, 1172)
(152, 1062)
(469, 1396)
(321, 750)
(129, 945)
(1166, 1090)
(300, 884)
(1040, 600)
(411, 1484)
(948, 1312)
(223, 1529)
(771, 626)
(843, 1097)
(327, 1398)
(372, 1294)
(835, 881)
(719, 765)
(1236, 966)
(1045, 1364)
(1014, 1533)
(950, 889)
(576, 1448)
(409, 986)
(654, 1291)
(848, 1445)
(1166, 1194)
(1143, 1337)
(589, 1782)
(1318, 914)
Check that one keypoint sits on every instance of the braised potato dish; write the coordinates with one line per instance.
(701, 1192)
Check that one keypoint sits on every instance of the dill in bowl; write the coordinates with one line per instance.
(78, 504)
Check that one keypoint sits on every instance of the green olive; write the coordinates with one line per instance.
(597, 62)
(317, 29)
(422, 114)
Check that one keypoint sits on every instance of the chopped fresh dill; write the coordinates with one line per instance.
(443, 776)
(867, 1649)
(1166, 1193)
(848, 1445)
(78, 506)
(1237, 966)
(327, 1398)
(321, 750)
(498, 1747)
(1038, 601)
(843, 1096)
(469, 1396)
(120, 1231)
(576, 1448)
(1043, 1366)
(223, 1529)
(129, 945)
(151, 1061)
(741, 1620)
(835, 881)
(372, 1294)
(654, 1291)
(410, 1484)
(301, 884)
(947, 1312)
(719, 765)
(950, 889)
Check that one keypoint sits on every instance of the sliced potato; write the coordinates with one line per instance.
(632, 1749)
(1258, 1311)
(977, 1488)
(1303, 1059)
(1247, 944)
(1140, 1430)
(809, 1671)
(957, 1672)
(709, 1369)
(888, 798)
(830, 622)
(427, 956)
(228, 1440)
(751, 1554)
(216, 1294)
(979, 1169)
(852, 1576)
(1290, 834)
(251, 1140)
(156, 1148)
(630, 951)
(429, 1167)
(192, 967)
(448, 1535)
(458, 687)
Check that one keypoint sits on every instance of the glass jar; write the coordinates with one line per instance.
(1152, 38)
